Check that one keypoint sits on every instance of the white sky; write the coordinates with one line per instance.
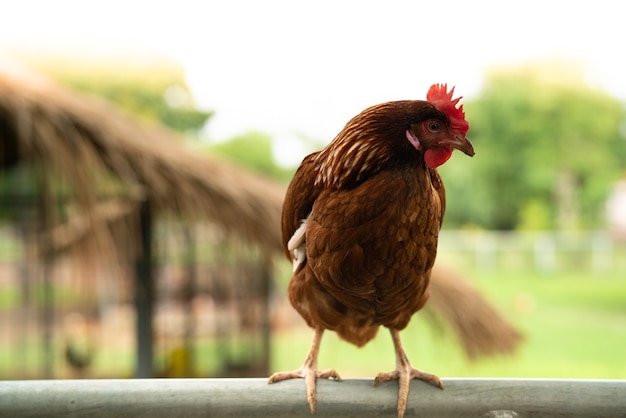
(290, 68)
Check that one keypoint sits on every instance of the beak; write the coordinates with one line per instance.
(461, 143)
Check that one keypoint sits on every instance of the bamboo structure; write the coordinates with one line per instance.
(102, 180)
(78, 136)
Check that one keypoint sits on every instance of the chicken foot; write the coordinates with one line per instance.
(308, 371)
(404, 373)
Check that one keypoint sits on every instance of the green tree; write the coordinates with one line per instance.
(253, 151)
(154, 89)
(548, 149)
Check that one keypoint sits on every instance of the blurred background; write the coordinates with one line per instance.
(145, 148)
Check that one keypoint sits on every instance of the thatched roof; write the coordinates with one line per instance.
(75, 136)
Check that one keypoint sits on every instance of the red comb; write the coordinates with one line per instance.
(439, 97)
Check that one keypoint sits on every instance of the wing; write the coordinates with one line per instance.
(297, 206)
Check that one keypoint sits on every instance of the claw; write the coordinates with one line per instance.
(308, 371)
(404, 378)
(310, 376)
(404, 373)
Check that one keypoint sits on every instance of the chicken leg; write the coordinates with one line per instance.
(404, 373)
(308, 371)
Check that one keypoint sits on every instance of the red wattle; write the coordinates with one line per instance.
(434, 157)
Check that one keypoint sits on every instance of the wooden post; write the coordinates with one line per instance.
(189, 292)
(144, 294)
(46, 312)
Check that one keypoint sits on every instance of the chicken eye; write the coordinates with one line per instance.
(433, 126)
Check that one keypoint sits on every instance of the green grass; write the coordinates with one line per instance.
(9, 297)
(574, 327)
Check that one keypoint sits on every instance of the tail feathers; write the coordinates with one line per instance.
(483, 330)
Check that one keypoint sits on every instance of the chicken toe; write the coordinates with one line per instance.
(404, 373)
(308, 371)
(310, 376)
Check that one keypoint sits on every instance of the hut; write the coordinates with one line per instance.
(80, 176)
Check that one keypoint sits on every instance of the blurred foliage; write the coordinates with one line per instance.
(548, 150)
(548, 146)
(253, 151)
(152, 88)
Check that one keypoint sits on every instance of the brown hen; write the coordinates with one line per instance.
(360, 223)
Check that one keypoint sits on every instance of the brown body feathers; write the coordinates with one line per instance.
(372, 211)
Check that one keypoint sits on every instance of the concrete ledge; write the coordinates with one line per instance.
(349, 398)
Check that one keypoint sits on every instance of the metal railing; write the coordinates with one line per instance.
(349, 398)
